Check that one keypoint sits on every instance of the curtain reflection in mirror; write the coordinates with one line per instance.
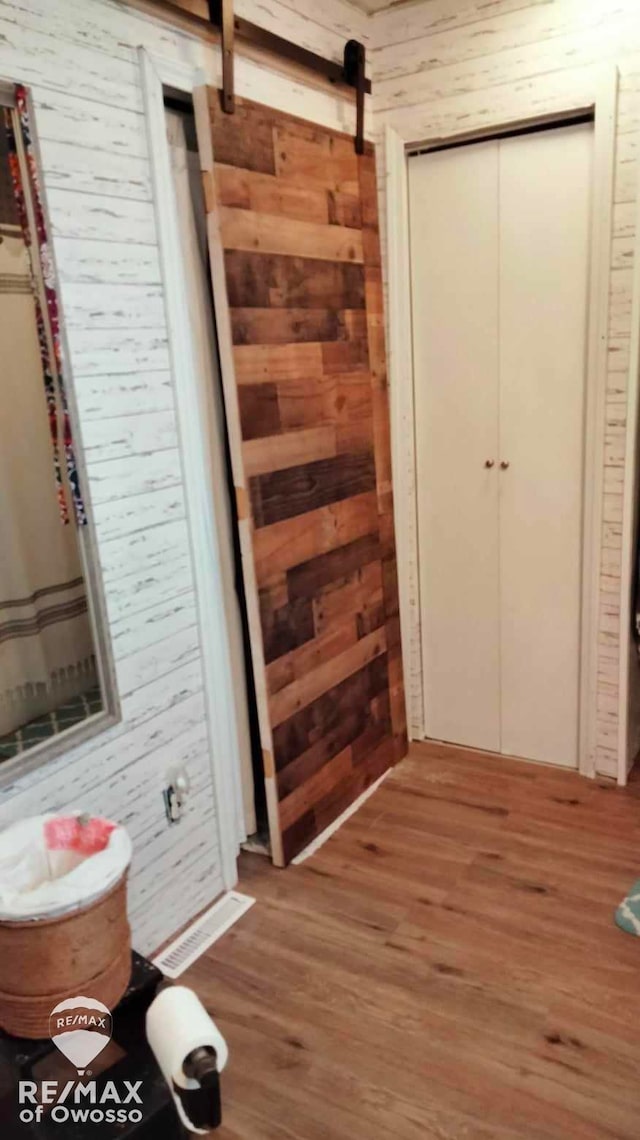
(48, 677)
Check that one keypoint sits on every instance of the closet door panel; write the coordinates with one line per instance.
(544, 250)
(453, 201)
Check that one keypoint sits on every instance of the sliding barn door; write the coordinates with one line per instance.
(292, 216)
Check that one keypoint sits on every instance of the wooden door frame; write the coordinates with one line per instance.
(594, 89)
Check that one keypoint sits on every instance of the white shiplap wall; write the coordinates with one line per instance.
(79, 58)
(442, 67)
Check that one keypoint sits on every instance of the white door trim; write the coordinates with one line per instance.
(222, 729)
(628, 568)
(403, 424)
(597, 89)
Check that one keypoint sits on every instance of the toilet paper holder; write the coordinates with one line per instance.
(191, 1053)
(202, 1106)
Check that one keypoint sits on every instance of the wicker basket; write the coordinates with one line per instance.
(44, 961)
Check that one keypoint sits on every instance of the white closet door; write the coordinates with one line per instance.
(453, 206)
(545, 183)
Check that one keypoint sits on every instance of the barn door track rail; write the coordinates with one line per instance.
(351, 73)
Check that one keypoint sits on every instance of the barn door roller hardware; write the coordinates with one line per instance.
(351, 72)
(221, 14)
(354, 61)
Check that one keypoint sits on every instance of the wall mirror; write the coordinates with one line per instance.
(54, 687)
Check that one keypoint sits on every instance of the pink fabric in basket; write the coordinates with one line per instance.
(67, 833)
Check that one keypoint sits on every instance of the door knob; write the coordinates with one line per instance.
(504, 463)
(489, 462)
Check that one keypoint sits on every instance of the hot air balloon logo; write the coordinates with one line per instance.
(80, 1028)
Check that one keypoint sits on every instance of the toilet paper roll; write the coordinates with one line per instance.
(177, 1023)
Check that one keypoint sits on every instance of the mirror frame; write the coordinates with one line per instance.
(111, 714)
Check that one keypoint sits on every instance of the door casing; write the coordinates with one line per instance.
(489, 559)
(596, 91)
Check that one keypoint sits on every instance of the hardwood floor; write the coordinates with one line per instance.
(446, 966)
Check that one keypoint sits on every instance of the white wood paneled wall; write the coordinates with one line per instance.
(443, 67)
(80, 59)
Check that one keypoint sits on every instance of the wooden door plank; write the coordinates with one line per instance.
(307, 579)
(289, 326)
(270, 363)
(262, 280)
(303, 798)
(285, 626)
(296, 664)
(295, 491)
(323, 160)
(301, 692)
(343, 398)
(349, 596)
(274, 453)
(266, 194)
(336, 718)
(269, 233)
(291, 542)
